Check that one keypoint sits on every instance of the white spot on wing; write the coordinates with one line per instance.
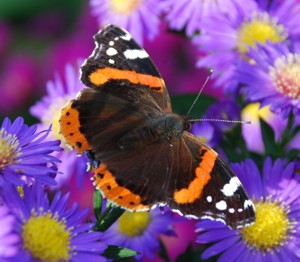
(240, 210)
(126, 37)
(248, 203)
(111, 61)
(221, 205)
(231, 210)
(111, 51)
(230, 188)
(135, 53)
(111, 43)
(209, 199)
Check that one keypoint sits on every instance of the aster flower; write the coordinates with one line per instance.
(226, 39)
(223, 109)
(188, 14)
(139, 17)
(48, 111)
(140, 231)
(8, 240)
(212, 126)
(50, 231)
(274, 78)
(25, 155)
(275, 234)
(207, 133)
(252, 133)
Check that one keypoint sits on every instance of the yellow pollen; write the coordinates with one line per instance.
(286, 75)
(9, 149)
(202, 139)
(134, 224)
(20, 191)
(259, 29)
(46, 238)
(125, 7)
(271, 227)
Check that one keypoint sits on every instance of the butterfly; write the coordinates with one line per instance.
(142, 153)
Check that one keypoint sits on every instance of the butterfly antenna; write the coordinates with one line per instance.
(212, 119)
(221, 120)
(200, 92)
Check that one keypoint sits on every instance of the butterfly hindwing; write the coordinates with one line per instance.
(211, 190)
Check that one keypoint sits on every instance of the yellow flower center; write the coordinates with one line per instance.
(271, 227)
(259, 29)
(9, 149)
(134, 224)
(46, 238)
(125, 7)
(286, 75)
(202, 139)
(20, 191)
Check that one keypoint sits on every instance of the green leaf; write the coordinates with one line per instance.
(268, 135)
(295, 131)
(97, 202)
(293, 154)
(192, 255)
(116, 252)
(163, 252)
(288, 134)
(182, 103)
(110, 216)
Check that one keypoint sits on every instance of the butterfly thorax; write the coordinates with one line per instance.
(167, 127)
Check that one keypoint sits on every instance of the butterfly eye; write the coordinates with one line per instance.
(187, 125)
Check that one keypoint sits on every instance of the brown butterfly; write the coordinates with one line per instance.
(142, 152)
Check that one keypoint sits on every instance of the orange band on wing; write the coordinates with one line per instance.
(101, 76)
(106, 183)
(69, 128)
(195, 188)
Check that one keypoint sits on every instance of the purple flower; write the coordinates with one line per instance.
(188, 14)
(223, 109)
(273, 78)
(9, 240)
(140, 18)
(210, 129)
(274, 236)
(25, 155)
(50, 231)
(227, 38)
(140, 231)
(48, 110)
(207, 133)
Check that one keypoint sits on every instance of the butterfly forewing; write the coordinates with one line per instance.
(118, 57)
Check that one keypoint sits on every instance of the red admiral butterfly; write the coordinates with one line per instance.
(142, 152)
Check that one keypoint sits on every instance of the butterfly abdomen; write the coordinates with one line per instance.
(166, 127)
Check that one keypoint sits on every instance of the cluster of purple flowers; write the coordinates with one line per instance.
(254, 50)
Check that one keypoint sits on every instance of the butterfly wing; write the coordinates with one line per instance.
(118, 57)
(188, 176)
(136, 180)
(206, 187)
(126, 90)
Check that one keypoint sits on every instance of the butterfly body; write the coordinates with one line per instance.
(142, 152)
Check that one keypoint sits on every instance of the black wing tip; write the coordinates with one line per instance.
(110, 29)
